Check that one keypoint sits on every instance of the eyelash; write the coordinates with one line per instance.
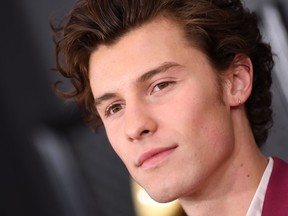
(165, 83)
(109, 109)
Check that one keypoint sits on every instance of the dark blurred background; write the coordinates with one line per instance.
(50, 162)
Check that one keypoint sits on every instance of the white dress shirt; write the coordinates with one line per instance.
(255, 208)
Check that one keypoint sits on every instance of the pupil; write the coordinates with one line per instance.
(116, 109)
(162, 85)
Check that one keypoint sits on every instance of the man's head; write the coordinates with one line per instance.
(220, 29)
(163, 109)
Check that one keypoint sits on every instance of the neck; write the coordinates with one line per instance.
(231, 190)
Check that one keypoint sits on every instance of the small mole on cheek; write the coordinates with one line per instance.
(248, 175)
(241, 165)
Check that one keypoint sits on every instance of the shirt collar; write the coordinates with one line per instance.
(255, 208)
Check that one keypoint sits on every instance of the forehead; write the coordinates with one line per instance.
(137, 52)
(152, 32)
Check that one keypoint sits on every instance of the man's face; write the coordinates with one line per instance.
(163, 110)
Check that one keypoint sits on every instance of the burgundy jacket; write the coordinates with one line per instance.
(276, 198)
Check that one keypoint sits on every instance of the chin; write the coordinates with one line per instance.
(162, 197)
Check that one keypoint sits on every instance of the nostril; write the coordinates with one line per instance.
(145, 132)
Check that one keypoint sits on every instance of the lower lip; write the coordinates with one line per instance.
(157, 159)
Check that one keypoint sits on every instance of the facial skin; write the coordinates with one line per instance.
(177, 108)
(157, 94)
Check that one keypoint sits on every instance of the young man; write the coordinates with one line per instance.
(183, 91)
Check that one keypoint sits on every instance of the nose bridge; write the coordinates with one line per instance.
(139, 121)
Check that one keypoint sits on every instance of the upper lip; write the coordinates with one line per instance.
(150, 153)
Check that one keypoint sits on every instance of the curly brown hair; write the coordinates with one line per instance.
(220, 28)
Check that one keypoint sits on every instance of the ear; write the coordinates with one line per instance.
(240, 75)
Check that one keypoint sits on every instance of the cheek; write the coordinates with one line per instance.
(204, 118)
(217, 136)
(113, 137)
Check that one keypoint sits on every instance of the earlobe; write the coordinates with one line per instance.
(241, 80)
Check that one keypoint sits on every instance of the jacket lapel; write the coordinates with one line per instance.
(276, 197)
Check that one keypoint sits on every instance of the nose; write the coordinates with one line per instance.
(139, 122)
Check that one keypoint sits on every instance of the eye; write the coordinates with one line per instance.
(113, 109)
(162, 85)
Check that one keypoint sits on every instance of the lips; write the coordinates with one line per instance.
(154, 156)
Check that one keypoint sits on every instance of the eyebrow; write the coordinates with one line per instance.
(104, 97)
(161, 69)
(143, 78)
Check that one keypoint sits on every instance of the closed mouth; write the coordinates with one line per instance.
(154, 156)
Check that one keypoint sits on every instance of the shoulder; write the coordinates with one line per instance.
(279, 173)
(276, 197)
